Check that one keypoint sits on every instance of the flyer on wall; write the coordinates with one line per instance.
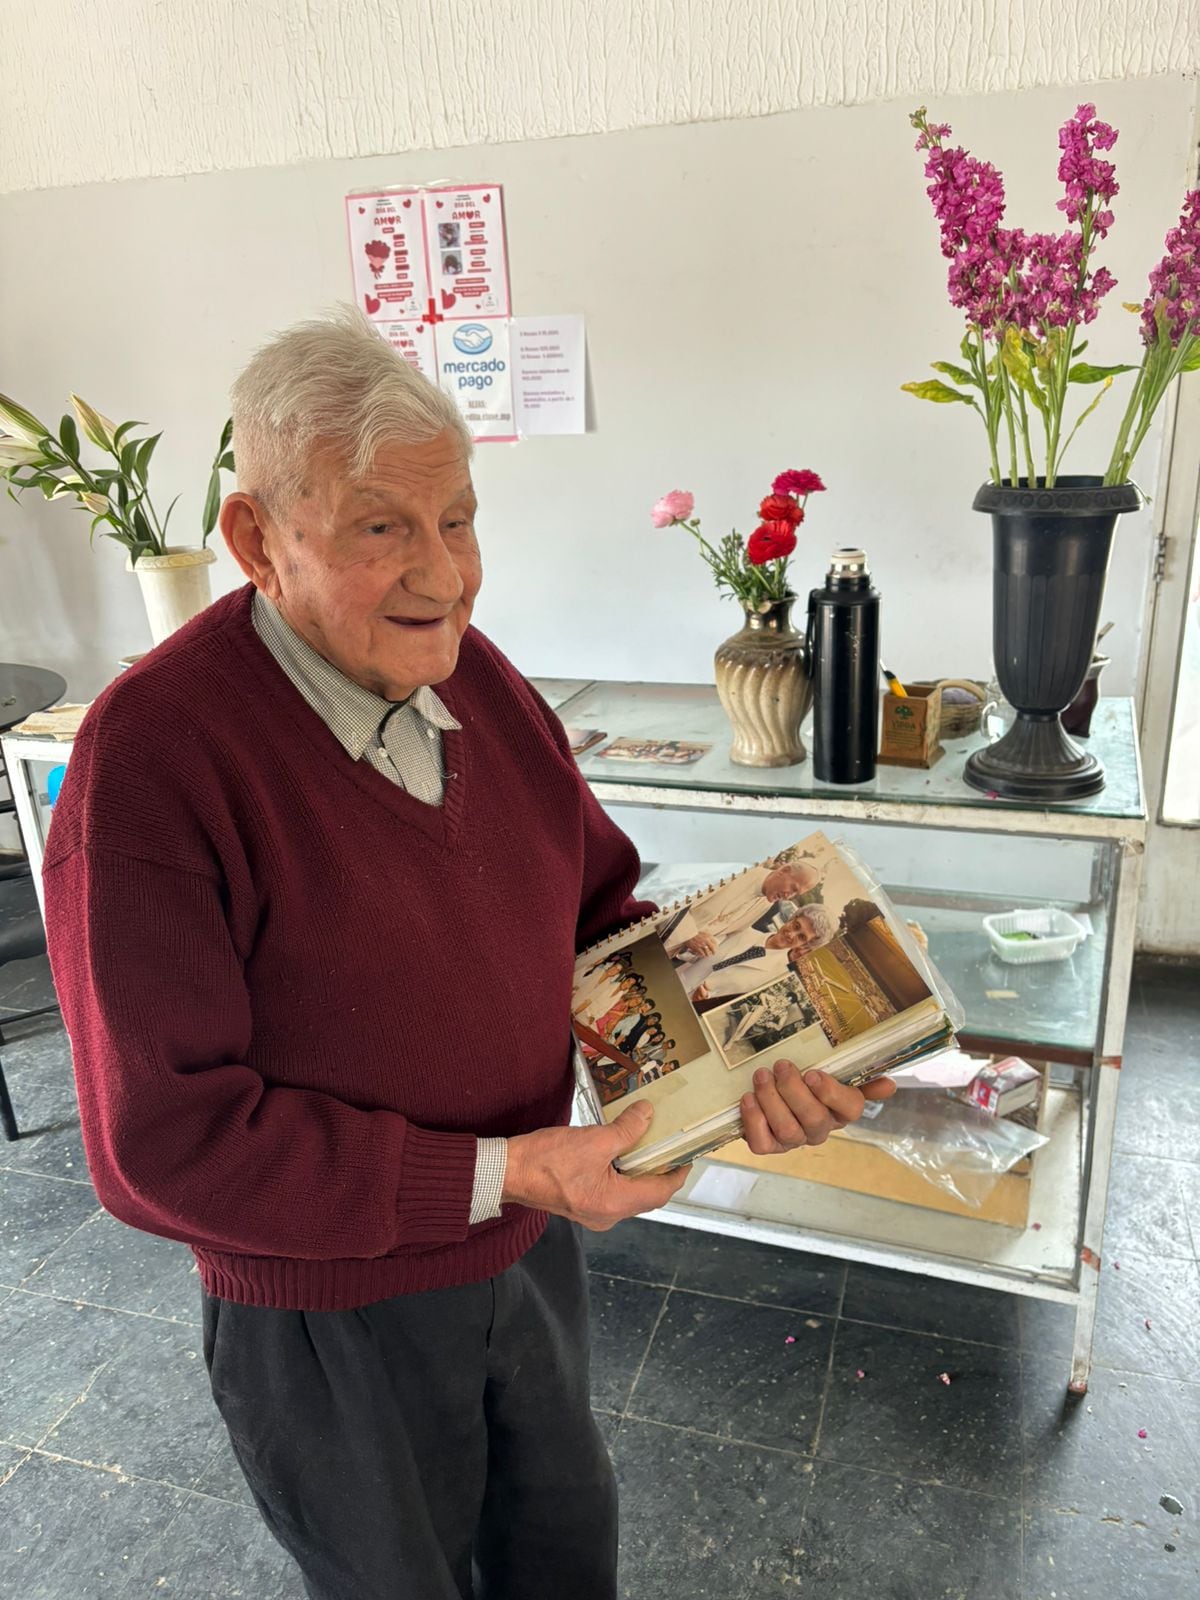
(475, 369)
(415, 342)
(467, 250)
(386, 229)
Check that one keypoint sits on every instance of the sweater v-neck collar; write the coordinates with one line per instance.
(440, 823)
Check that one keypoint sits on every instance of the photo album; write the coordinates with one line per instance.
(802, 956)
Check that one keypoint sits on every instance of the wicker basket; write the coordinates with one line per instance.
(958, 720)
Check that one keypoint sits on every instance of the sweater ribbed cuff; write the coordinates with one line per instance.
(437, 1176)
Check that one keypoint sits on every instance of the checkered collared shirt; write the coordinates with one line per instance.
(404, 743)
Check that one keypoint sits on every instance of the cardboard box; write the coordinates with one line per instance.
(910, 727)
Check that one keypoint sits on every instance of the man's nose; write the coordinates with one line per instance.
(432, 571)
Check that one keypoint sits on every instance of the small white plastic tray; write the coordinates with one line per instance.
(1059, 935)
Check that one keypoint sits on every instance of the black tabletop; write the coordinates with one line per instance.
(24, 690)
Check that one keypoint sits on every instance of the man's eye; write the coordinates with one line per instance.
(379, 527)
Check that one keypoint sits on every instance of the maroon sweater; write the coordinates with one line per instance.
(295, 994)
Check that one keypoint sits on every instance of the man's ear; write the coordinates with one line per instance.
(247, 530)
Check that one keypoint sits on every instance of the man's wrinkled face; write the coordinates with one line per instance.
(379, 574)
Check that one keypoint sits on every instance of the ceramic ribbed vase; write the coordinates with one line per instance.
(764, 684)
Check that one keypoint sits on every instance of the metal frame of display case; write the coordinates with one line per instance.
(1057, 1258)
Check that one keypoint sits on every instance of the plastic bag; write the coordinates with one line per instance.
(955, 1146)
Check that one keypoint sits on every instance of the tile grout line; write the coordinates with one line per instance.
(53, 1177)
(662, 1311)
(833, 1344)
(100, 1305)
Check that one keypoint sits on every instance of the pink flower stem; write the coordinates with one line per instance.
(1161, 365)
(977, 354)
(1060, 380)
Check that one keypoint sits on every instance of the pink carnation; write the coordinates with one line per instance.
(672, 508)
(797, 481)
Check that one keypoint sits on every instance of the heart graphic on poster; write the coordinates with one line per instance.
(448, 299)
(439, 205)
(372, 304)
(362, 211)
(486, 199)
(407, 203)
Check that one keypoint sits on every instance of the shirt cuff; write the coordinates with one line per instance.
(491, 1159)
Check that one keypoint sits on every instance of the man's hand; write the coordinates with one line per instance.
(700, 945)
(569, 1171)
(698, 994)
(787, 1110)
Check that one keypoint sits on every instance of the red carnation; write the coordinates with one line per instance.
(781, 508)
(797, 481)
(772, 541)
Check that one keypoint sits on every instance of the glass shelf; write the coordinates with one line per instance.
(1049, 1009)
(693, 712)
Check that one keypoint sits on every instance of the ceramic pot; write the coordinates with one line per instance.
(764, 684)
(175, 588)
(1050, 559)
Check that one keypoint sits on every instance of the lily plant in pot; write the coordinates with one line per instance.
(1026, 298)
(762, 671)
(174, 579)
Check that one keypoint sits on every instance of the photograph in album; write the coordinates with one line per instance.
(801, 956)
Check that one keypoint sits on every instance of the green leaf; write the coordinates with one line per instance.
(145, 450)
(1191, 362)
(68, 435)
(128, 456)
(959, 374)
(121, 487)
(1019, 367)
(934, 389)
(1083, 372)
(1080, 348)
(120, 432)
(225, 461)
(212, 503)
(142, 528)
(166, 521)
(226, 436)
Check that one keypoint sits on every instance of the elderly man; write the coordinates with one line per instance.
(746, 961)
(306, 852)
(747, 901)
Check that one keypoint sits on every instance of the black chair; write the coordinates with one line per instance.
(22, 936)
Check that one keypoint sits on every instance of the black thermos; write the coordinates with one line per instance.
(843, 646)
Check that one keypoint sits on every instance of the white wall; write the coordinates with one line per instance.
(755, 293)
(212, 85)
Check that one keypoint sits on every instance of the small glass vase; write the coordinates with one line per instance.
(763, 680)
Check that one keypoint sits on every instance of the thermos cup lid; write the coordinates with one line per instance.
(848, 564)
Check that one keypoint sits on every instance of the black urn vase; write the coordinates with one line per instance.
(1050, 560)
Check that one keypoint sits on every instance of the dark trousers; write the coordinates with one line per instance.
(394, 1449)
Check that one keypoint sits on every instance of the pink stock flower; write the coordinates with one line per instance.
(672, 508)
(797, 480)
(1090, 183)
(1175, 281)
(1003, 275)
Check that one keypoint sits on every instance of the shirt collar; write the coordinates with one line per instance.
(353, 714)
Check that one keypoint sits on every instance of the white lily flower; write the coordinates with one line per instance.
(21, 423)
(15, 454)
(95, 425)
(95, 502)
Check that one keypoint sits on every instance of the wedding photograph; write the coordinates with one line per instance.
(782, 1011)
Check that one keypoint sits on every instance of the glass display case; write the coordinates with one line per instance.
(948, 856)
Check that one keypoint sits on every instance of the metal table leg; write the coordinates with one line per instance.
(1127, 871)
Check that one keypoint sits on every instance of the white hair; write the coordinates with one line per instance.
(333, 384)
(819, 921)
